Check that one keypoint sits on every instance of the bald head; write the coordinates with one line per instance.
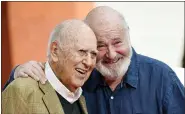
(72, 52)
(68, 32)
(113, 41)
(105, 16)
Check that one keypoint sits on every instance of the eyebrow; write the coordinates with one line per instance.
(100, 42)
(93, 51)
(116, 38)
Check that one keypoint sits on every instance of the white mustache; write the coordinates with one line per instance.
(107, 60)
(115, 70)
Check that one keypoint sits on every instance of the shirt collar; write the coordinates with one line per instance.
(59, 87)
(131, 76)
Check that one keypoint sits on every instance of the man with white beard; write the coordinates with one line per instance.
(123, 82)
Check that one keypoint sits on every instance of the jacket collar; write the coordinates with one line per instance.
(52, 101)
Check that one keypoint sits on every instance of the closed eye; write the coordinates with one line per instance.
(94, 54)
(82, 52)
(101, 45)
(117, 42)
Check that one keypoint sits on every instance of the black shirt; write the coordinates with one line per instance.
(69, 108)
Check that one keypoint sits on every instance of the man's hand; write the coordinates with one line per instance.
(33, 69)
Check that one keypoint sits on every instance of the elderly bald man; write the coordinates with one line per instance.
(72, 51)
(123, 82)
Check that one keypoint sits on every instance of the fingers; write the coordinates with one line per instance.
(23, 74)
(20, 74)
(42, 65)
(33, 69)
(38, 71)
(32, 74)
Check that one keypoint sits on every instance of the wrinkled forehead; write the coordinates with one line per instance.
(83, 39)
(108, 27)
(107, 24)
(86, 42)
(111, 33)
(77, 34)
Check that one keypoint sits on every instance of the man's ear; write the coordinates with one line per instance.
(54, 51)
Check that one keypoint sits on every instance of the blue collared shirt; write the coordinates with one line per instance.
(149, 87)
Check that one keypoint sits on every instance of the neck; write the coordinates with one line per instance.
(70, 88)
(113, 82)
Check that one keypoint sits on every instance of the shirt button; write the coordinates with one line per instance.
(112, 97)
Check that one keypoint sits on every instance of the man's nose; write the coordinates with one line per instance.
(110, 53)
(87, 61)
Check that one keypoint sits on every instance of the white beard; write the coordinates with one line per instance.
(115, 70)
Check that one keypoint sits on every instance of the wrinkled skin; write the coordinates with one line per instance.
(113, 42)
(75, 57)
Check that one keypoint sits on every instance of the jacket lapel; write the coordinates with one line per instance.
(51, 99)
(83, 104)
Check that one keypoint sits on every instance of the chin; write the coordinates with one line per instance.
(78, 83)
(115, 70)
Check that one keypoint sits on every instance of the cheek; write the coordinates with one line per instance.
(100, 55)
(76, 60)
(93, 64)
(123, 51)
(87, 77)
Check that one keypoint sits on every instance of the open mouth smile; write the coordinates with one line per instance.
(81, 71)
(111, 62)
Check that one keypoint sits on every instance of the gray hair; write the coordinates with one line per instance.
(68, 28)
(54, 36)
